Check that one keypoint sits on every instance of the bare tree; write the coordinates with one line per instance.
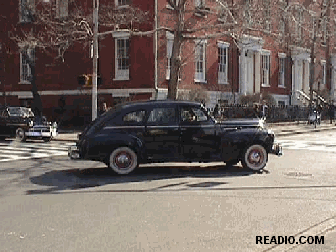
(224, 19)
(309, 25)
(53, 32)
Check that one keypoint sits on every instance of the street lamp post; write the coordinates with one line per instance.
(95, 58)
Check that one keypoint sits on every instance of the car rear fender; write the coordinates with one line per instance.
(130, 141)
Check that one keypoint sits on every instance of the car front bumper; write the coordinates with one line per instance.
(41, 132)
(277, 149)
(73, 152)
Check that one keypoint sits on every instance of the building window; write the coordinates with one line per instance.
(281, 103)
(170, 6)
(122, 2)
(27, 8)
(298, 24)
(282, 61)
(223, 12)
(122, 58)
(247, 12)
(282, 27)
(62, 8)
(267, 13)
(200, 4)
(170, 41)
(324, 31)
(223, 51)
(200, 57)
(265, 68)
(25, 69)
(324, 72)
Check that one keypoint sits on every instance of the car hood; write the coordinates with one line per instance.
(242, 123)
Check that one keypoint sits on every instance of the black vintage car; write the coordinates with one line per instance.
(21, 123)
(172, 131)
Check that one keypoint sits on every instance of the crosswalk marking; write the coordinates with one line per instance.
(329, 146)
(21, 151)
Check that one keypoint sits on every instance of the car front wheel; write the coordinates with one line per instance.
(255, 157)
(20, 135)
(123, 160)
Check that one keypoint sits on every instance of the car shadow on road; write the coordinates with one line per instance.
(74, 179)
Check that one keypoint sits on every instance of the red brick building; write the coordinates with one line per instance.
(137, 67)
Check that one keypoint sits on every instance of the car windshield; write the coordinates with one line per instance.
(20, 111)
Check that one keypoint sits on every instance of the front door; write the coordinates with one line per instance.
(162, 134)
(198, 134)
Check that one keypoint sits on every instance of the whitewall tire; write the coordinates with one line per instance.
(123, 160)
(20, 134)
(255, 157)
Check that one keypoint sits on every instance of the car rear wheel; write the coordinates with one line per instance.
(255, 157)
(123, 160)
(20, 135)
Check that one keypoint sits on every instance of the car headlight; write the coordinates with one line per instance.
(31, 123)
(270, 132)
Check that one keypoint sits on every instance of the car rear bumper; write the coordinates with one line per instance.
(277, 149)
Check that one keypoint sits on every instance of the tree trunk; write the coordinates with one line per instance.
(176, 53)
(37, 102)
(312, 71)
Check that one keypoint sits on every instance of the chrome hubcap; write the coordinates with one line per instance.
(255, 157)
(123, 160)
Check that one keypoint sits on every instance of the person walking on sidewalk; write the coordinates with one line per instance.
(331, 112)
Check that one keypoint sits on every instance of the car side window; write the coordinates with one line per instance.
(162, 116)
(134, 118)
(193, 114)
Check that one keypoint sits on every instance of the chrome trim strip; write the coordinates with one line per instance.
(123, 127)
(163, 126)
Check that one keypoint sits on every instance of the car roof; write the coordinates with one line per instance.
(158, 103)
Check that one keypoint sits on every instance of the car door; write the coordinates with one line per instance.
(162, 133)
(198, 133)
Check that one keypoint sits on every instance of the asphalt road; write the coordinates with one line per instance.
(53, 204)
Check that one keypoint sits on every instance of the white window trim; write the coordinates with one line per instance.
(265, 53)
(198, 78)
(223, 77)
(281, 80)
(120, 74)
(324, 72)
(22, 81)
(120, 6)
(62, 13)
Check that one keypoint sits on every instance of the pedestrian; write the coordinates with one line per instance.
(264, 110)
(216, 111)
(331, 112)
(104, 108)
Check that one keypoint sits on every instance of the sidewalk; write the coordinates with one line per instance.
(280, 129)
